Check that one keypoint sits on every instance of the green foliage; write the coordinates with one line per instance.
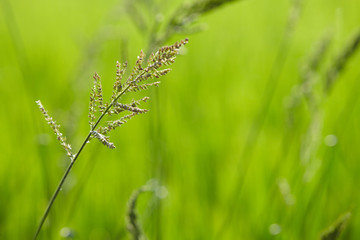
(232, 170)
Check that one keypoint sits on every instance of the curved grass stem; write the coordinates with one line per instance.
(68, 170)
(163, 57)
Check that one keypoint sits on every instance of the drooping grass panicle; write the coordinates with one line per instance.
(56, 128)
(341, 60)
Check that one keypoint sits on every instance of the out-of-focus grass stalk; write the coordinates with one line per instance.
(267, 96)
(341, 60)
(180, 22)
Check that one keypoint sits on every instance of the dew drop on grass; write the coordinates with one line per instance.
(274, 229)
(330, 140)
(161, 192)
(66, 232)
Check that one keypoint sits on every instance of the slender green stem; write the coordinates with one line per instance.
(59, 187)
(61, 183)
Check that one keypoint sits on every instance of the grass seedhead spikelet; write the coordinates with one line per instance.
(99, 94)
(111, 125)
(130, 108)
(92, 106)
(96, 99)
(137, 68)
(103, 139)
(135, 103)
(56, 128)
(120, 70)
(145, 86)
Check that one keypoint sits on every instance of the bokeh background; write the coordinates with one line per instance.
(243, 144)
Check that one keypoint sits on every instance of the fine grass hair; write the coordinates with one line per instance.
(139, 79)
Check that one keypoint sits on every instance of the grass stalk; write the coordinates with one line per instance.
(61, 183)
(163, 57)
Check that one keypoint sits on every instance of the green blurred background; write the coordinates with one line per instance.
(237, 157)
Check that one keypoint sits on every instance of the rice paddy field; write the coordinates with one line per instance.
(254, 134)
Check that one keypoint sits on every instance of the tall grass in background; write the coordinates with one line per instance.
(254, 137)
